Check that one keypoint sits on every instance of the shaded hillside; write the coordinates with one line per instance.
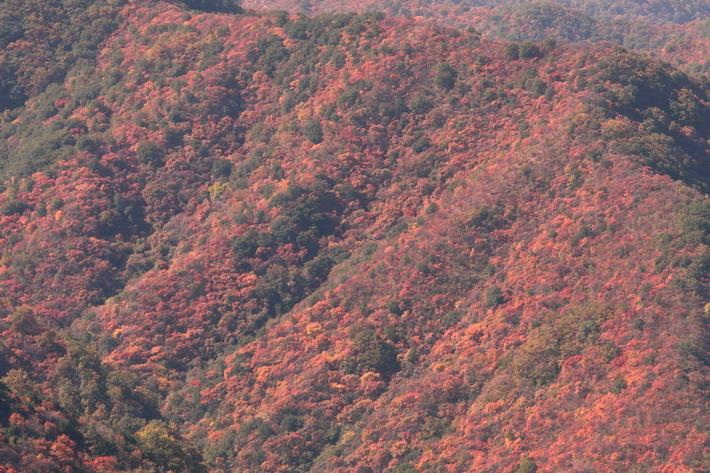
(657, 11)
(686, 45)
(353, 243)
(41, 40)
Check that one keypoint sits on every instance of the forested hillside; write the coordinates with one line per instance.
(676, 32)
(241, 241)
(656, 11)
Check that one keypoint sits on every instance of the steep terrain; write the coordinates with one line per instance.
(657, 11)
(262, 242)
(676, 32)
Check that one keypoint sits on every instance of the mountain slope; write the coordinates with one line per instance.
(658, 11)
(670, 31)
(354, 243)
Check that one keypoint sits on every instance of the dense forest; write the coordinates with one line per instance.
(676, 32)
(260, 241)
(656, 11)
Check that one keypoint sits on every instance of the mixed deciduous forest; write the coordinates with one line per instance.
(672, 31)
(241, 240)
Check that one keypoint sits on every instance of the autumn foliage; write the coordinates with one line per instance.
(351, 242)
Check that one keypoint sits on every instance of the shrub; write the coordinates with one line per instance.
(5, 403)
(87, 143)
(320, 267)
(529, 50)
(162, 447)
(24, 322)
(109, 222)
(13, 207)
(300, 28)
(494, 297)
(512, 51)
(527, 465)
(541, 358)
(150, 153)
(284, 230)
(173, 136)
(221, 168)
(245, 246)
(313, 130)
(421, 145)
(619, 385)
(272, 52)
(292, 422)
(372, 353)
(445, 76)
(421, 104)
(215, 6)
(549, 44)
(394, 307)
